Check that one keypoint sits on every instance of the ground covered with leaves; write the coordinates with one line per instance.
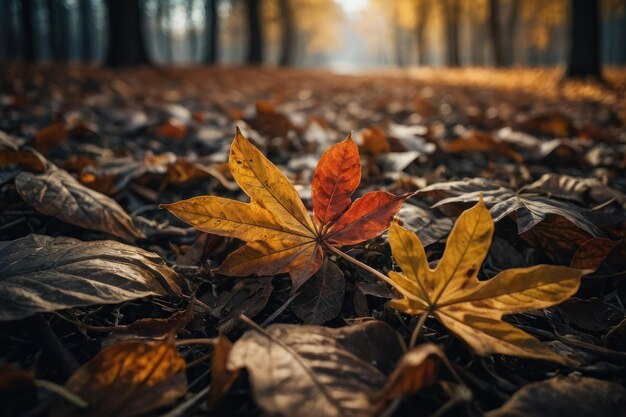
(185, 242)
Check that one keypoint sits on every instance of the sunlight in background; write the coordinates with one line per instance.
(353, 6)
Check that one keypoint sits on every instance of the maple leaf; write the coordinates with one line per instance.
(281, 236)
(470, 308)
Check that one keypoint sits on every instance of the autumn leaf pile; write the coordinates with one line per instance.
(461, 252)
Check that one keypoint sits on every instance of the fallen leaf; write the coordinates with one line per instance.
(375, 141)
(172, 129)
(127, 379)
(317, 371)
(42, 274)
(221, 377)
(564, 397)
(477, 141)
(50, 136)
(56, 193)
(531, 208)
(321, 297)
(470, 308)
(281, 235)
(416, 370)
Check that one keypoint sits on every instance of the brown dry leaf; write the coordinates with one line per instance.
(592, 253)
(127, 379)
(470, 308)
(281, 235)
(416, 370)
(42, 274)
(56, 193)
(50, 136)
(13, 379)
(299, 370)
(375, 141)
(26, 159)
(321, 297)
(172, 129)
(221, 377)
(481, 142)
(565, 397)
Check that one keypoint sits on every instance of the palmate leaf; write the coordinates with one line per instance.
(281, 236)
(470, 308)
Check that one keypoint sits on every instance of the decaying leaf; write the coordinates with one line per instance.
(42, 274)
(470, 308)
(416, 370)
(530, 207)
(564, 397)
(127, 379)
(281, 235)
(321, 297)
(317, 371)
(56, 193)
(221, 377)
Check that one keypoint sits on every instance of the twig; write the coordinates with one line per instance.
(62, 392)
(363, 266)
(182, 408)
(279, 310)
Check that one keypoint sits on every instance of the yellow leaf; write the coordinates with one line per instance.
(280, 234)
(470, 308)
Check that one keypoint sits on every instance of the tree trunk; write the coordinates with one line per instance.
(420, 35)
(28, 36)
(287, 33)
(511, 32)
(494, 32)
(452, 13)
(86, 25)
(255, 32)
(125, 45)
(57, 31)
(167, 34)
(212, 19)
(584, 54)
(192, 32)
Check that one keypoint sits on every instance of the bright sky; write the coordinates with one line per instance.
(352, 6)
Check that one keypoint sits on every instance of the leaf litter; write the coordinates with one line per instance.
(113, 305)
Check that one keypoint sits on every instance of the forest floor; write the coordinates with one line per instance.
(90, 154)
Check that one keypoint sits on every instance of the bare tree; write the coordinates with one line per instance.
(86, 28)
(28, 35)
(452, 20)
(125, 45)
(255, 32)
(584, 53)
(503, 38)
(212, 19)
(421, 18)
(288, 33)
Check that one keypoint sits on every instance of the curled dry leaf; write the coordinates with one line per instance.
(42, 274)
(416, 370)
(50, 136)
(564, 397)
(281, 235)
(127, 379)
(299, 370)
(529, 207)
(470, 308)
(321, 297)
(56, 193)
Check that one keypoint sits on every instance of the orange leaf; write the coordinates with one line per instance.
(337, 176)
(280, 233)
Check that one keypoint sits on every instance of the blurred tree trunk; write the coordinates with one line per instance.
(452, 15)
(125, 46)
(86, 28)
(255, 32)
(584, 53)
(57, 31)
(192, 33)
(288, 33)
(28, 35)
(212, 18)
(421, 14)
(167, 38)
(503, 40)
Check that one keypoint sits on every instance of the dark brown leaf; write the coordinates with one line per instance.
(42, 274)
(321, 297)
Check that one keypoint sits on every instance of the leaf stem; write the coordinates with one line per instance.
(418, 329)
(360, 264)
(201, 341)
